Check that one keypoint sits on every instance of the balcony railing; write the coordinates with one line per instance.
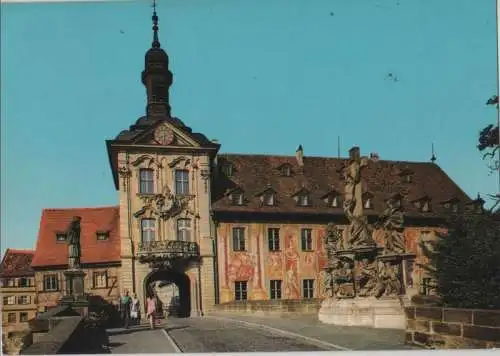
(169, 249)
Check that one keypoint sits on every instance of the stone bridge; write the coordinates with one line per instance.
(222, 332)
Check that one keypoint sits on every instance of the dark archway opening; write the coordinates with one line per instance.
(180, 305)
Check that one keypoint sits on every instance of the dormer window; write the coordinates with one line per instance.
(60, 236)
(332, 199)
(368, 201)
(268, 199)
(237, 198)
(228, 169)
(303, 200)
(286, 170)
(102, 235)
(406, 175)
(426, 207)
(454, 207)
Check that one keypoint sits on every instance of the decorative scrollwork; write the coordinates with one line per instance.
(170, 249)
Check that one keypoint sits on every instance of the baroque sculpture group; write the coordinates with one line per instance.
(357, 266)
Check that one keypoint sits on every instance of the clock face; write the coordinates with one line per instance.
(164, 135)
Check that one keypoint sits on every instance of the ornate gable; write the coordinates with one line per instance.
(166, 134)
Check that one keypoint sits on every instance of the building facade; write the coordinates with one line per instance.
(17, 289)
(213, 228)
(100, 254)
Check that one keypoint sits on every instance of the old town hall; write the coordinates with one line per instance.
(201, 228)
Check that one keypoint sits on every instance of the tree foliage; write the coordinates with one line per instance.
(464, 263)
(489, 142)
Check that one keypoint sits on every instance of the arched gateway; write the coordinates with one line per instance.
(168, 263)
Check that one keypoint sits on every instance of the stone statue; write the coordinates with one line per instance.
(388, 281)
(359, 233)
(333, 242)
(73, 238)
(367, 278)
(392, 221)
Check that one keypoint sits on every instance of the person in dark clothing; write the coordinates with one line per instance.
(125, 303)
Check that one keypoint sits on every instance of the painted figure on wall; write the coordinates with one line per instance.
(240, 267)
(292, 290)
(274, 265)
(292, 257)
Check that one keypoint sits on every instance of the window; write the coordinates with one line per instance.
(306, 239)
(237, 199)
(7, 282)
(228, 170)
(100, 279)
(238, 239)
(60, 236)
(426, 286)
(240, 290)
(426, 206)
(146, 184)
(148, 230)
(24, 299)
(269, 199)
(23, 317)
(273, 236)
(24, 282)
(275, 289)
(454, 207)
(368, 203)
(303, 200)
(286, 171)
(184, 230)
(11, 300)
(102, 236)
(308, 288)
(182, 182)
(11, 318)
(50, 283)
(334, 202)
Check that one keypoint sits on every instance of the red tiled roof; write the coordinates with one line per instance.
(17, 263)
(50, 252)
(321, 175)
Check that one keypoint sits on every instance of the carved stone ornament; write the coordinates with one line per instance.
(124, 172)
(392, 223)
(165, 205)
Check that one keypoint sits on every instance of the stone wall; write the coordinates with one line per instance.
(272, 307)
(436, 327)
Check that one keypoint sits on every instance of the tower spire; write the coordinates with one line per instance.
(433, 158)
(156, 41)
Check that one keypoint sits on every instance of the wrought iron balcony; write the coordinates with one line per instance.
(169, 249)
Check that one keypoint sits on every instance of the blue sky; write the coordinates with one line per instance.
(259, 76)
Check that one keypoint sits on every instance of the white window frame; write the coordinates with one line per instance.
(148, 230)
(184, 230)
(181, 178)
(146, 181)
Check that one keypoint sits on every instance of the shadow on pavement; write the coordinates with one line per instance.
(167, 329)
(128, 331)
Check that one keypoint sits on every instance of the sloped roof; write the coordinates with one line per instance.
(50, 252)
(16, 263)
(320, 175)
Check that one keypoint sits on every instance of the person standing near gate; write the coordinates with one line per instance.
(151, 309)
(135, 310)
(125, 303)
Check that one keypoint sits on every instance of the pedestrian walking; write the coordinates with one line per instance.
(151, 310)
(135, 310)
(125, 302)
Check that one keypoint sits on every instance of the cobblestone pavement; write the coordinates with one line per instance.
(349, 338)
(139, 339)
(213, 335)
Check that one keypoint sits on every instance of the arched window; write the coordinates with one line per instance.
(184, 230)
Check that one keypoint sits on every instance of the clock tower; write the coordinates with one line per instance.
(156, 75)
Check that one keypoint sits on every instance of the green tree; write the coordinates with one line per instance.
(464, 263)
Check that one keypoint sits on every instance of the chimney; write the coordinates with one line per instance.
(374, 157)
(299, 154)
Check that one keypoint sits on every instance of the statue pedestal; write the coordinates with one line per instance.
(74, 294)
(383, 313)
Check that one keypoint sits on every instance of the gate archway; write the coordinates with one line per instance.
(181, 306)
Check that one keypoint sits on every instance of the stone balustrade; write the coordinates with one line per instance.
(438, 327)
(271, 307)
